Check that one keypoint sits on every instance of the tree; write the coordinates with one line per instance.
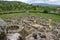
(45, 11)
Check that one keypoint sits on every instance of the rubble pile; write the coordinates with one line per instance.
(32, 28)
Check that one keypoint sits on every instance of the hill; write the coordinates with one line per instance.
(45, 4)
(13, 6)
(18, 6)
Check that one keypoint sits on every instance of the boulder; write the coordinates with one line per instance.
(2, 23)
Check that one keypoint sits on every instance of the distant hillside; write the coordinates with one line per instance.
(13, 6)
(44, 4)
(18, 6)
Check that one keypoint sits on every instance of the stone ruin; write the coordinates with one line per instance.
(31, 28)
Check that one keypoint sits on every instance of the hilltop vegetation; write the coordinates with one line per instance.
(17, 6)
(12, 6)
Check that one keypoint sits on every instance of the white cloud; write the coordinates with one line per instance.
(40, 1)
(57, 2)
(22, 0)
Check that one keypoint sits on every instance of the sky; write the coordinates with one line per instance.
(57, 2)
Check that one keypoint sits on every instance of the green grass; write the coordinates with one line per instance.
(51, 16)
(4, 16)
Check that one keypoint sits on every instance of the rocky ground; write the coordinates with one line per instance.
(30, 28)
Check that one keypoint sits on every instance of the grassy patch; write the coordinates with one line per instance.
(11, 15)
(51, 16)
